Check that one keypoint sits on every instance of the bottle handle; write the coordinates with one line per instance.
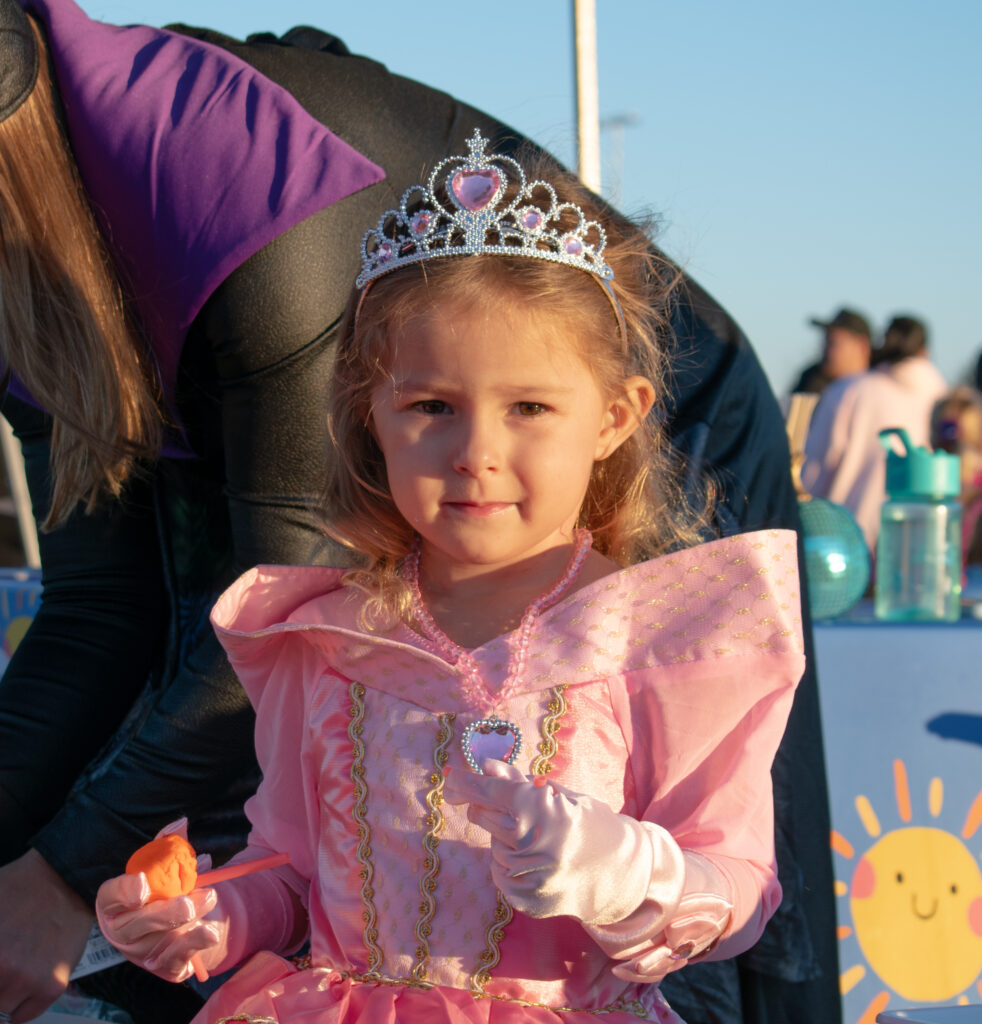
(890, 432)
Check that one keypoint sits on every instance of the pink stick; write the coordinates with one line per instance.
(200, 971)
(238, 870)
(225, 874)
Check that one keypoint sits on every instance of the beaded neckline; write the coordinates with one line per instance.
(473, 686)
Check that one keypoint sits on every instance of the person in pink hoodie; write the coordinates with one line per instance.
(519, 751)
(844, 459)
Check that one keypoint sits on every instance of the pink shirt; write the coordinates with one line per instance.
(670, 683)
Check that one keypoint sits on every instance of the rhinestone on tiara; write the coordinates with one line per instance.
(481, 204)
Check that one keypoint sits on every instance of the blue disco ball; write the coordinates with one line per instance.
(837, 562)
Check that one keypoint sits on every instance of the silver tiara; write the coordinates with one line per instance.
(482, 205)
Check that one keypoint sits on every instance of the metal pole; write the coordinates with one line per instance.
(587, 93)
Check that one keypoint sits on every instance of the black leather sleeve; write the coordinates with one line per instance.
(114, 721)
(97, 633)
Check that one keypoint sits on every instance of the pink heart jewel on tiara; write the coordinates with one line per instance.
(490, 737)
(474, 189)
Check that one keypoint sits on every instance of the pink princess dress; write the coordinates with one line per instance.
(662, 689)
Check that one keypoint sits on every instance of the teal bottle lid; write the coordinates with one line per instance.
(920, 473)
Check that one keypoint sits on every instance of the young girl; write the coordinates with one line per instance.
(521, 772)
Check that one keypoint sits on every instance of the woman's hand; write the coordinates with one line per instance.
(44, 926)
(558, 852)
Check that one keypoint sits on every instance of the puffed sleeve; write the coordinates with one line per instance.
(285, 680)
(268, 910)
(283, 812)
(702, 733)
(716, 802)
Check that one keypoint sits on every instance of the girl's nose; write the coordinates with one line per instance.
(478, 448)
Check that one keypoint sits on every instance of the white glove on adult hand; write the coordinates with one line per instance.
(162, 935)
(555, 852)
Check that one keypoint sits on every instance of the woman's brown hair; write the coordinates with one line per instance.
(634, 506)
(64, 328)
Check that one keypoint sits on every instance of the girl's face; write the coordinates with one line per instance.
(490, 427)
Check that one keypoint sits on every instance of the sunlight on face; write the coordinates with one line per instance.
(490, 428)
(846, 352)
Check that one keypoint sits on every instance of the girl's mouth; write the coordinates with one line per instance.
(476, 509)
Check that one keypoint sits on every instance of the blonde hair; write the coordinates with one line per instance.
(64, 328)
(635, 504)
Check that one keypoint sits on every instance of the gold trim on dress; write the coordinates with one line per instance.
(246, 1018)
(617, 1006)
(431, 840)
(492, 951)
(364, 852)
(549, 746)
(374, 978)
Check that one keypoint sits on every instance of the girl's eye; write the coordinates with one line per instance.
(531, 408)
(431, 407)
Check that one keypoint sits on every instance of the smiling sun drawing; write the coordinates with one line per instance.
(915, 901)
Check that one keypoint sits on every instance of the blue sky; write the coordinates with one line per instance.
(800, 156)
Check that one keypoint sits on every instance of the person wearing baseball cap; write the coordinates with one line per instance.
(846, 351)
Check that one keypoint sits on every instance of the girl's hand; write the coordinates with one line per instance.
(558, 852)
(161, 935)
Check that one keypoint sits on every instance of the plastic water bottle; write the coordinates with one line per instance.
(918, 552)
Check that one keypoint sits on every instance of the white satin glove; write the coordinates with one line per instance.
(163, 935)
(555, 852)
(649, 945)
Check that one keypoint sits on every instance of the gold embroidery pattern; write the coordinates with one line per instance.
(618, 1006)
(374, 978)
(551, 724)
(247, 1018)
(364, 852)
(431, 840)
(492, 952)
(541, 765)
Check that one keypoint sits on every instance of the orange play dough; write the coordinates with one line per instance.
(169, 864)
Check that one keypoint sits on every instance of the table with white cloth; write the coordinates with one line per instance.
(902, 721)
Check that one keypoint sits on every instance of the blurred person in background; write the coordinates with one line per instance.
(845, 352)
(956, 427)
(844, 459)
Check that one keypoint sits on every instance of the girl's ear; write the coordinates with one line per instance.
(624, 415)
